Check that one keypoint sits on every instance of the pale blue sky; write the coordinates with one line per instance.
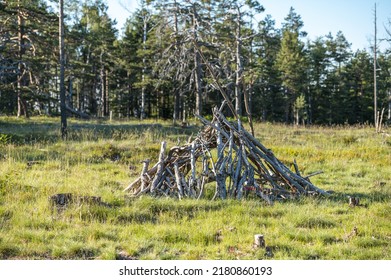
(353, 17)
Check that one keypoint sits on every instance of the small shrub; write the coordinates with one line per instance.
(6, 139)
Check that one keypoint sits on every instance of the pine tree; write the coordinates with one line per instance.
(62, 70)
(92, 42)
(268, 96)
(26, 28)
(291, 63)
(318, 65)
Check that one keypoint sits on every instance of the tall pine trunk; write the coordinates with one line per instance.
(107, 108)
(62, 71)
(143, 94)
(102, 87)
(22, 106)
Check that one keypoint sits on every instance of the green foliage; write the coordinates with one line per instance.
(288, 78)
(5, 138)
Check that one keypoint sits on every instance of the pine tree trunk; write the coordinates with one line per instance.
(70, 96)
(143, 97)
(22, 106)
(176, 105)
(102, 88)
(62, 72)
(129, 105)
(107, 92)
(389, 106)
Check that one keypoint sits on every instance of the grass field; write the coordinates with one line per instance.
(102, 158)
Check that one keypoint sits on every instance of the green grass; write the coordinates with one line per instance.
(102, 158)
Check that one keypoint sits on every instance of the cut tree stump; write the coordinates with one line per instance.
(259, 241)
(354, 201)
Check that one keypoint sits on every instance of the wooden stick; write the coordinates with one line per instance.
(223, 93)
(296, 167)
(313, 174)
(158, 175)
(143, 174)
(178, 181)
(192, 179)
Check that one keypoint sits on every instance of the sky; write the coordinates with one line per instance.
(355, 18)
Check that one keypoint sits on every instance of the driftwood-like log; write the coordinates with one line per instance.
(77, 113)
(240, 166)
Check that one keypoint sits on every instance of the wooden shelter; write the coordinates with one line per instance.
(223, 152)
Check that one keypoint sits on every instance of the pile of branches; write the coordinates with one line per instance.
(225, 153)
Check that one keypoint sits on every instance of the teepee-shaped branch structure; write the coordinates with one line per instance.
(225, 153)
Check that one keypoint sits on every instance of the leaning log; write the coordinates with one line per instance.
(77, 113)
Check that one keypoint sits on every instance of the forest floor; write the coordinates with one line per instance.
(101, 158)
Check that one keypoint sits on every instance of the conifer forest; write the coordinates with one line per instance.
(172, 58)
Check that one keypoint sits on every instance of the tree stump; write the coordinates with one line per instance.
(259, 241)
(354, 201)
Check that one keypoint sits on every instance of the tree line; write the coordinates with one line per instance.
(175, 58)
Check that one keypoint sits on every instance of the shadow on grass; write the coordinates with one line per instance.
(364, 198)
(48, 131)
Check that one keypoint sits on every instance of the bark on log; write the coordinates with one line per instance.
(77, 113)
(157, 178)
(144, 174)
(178, 181)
